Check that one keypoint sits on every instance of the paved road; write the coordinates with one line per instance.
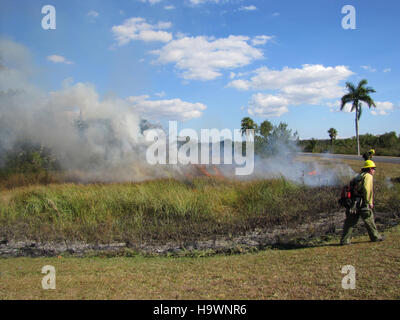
(352, 157)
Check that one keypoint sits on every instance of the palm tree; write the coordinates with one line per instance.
(247, 124)
(265, 128)
(356, 95)
(332, 134)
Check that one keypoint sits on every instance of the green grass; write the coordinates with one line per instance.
(165, 210)
(172, 210)
(310, 273)
(156, 210)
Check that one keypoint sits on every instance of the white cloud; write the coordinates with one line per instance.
(260, 40)
(202, 58)
(180, 35)
(58, 59)
(382, 108)
(137, 99)
(369, 68)
(169, 7)
(151, 1)
(240, 84)
(316, 76)
(196, 2)
(310, 84)
(248, 8)
(267, 105)
(138, 29)
(93, 14)
(200, 2)
(160, 94)
(335, 106)
(276, 14)
(174, 109)
(387, 70)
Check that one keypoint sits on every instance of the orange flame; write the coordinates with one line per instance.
(204, 171)
(218, 172)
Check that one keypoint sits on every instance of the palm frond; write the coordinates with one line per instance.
(361, 93)
(359, 111)
(346, 99)
(351, 87)
(354, 106)
(369, 90)
(361, 84)
(368, 100)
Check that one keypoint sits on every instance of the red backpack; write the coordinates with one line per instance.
(350, 192)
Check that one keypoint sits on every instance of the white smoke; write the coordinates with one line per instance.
(388, 182)
(284, 163)
(96, 139)
(310, 174)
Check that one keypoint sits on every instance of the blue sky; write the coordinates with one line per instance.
(209, 63)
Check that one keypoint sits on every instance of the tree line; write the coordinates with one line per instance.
(269, 139)
(268, 136)
(387, 144)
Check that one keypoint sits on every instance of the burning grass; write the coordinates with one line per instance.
(194, 208)
(166, 209)
(156, 210)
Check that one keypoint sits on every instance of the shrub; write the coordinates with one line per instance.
(27, 163)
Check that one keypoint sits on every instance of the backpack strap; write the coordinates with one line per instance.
(355, 184)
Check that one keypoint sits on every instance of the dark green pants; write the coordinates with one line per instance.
(352, 219)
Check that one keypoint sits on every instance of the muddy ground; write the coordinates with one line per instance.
(325, 227)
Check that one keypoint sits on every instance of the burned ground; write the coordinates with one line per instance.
(316, 233)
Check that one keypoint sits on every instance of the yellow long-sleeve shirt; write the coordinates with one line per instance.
(367, 185)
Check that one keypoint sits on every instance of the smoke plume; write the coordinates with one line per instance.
(102, 139)
(93, 138)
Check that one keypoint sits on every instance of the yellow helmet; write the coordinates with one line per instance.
(369, 164)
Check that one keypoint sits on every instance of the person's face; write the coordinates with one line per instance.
(372, 171)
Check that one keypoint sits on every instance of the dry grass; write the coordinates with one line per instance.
(162, 210)
(312, 273)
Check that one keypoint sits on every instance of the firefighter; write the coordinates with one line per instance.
(368, 154)
(364, 206)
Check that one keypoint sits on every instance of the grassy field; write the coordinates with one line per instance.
(161, 210)
(172, 210)
(180, 210)
(311, 273)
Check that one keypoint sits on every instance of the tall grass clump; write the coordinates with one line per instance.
(387, 195)
(159, 210)
(271, 202)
